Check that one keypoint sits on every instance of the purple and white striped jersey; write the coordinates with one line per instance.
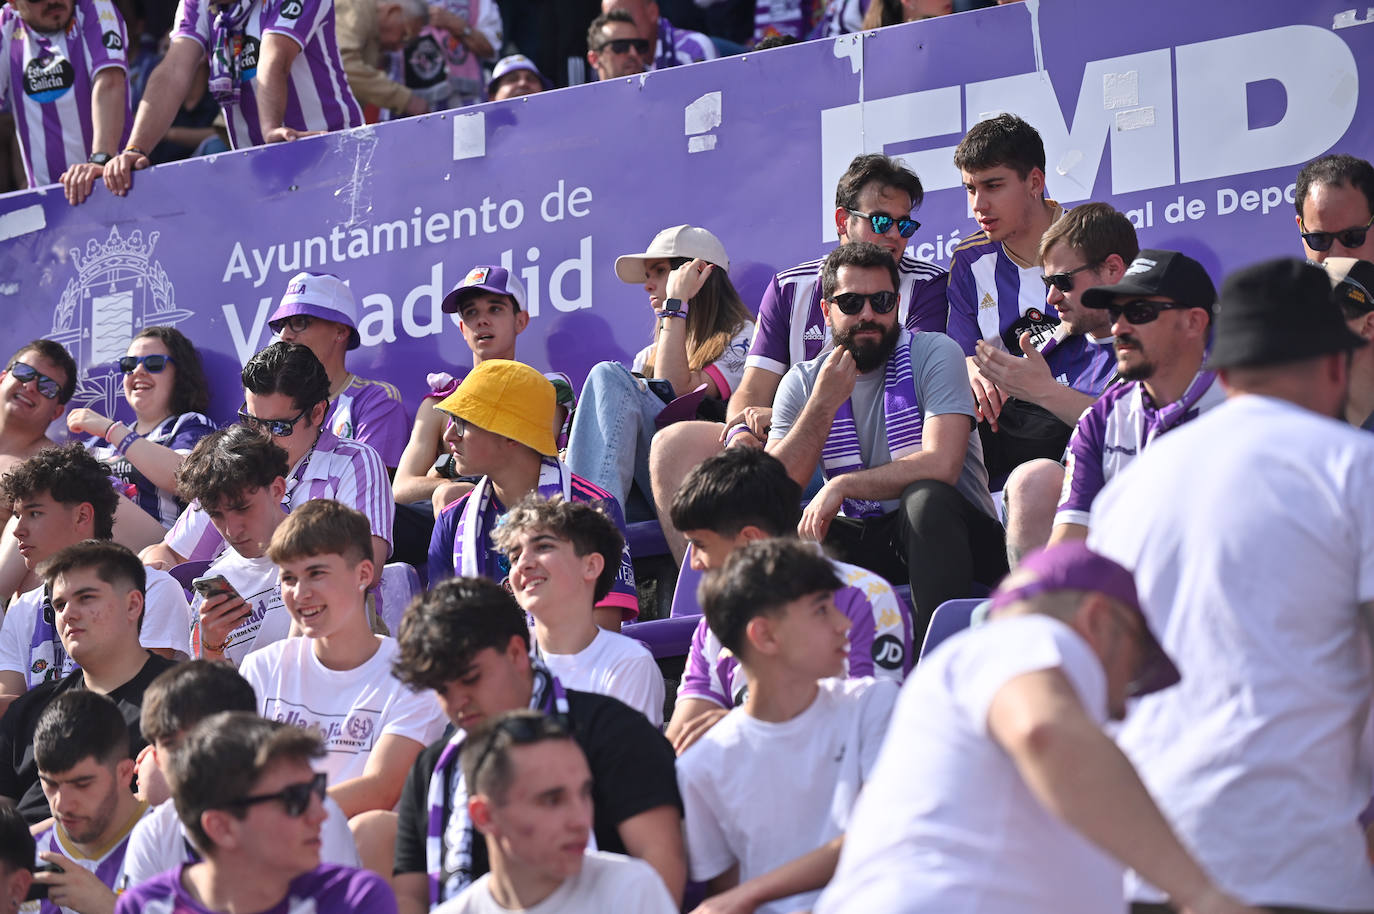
(1114, 430)
(346, 471)
(318, 97)
(993, 298)
(879, 641)
(180, 433)
(108, 867)
(371, 412)
(679, 46)
(327, 889)
(792, 329)
(1085, 363)
(46, 79)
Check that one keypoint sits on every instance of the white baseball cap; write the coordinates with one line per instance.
(321, 295)
(678, 241)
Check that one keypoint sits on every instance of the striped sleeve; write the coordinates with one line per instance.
(193, 22)
(103, 35)
(623, 594)
(880, 633)
(770, 350)
(962, 323)
(929, 302)
(1083, 473)
(699, 675)
(193, 537)
(358, 479)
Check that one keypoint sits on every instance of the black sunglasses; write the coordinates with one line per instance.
(881, 222)
(154, 363)
(623, 45)
(297, 322)
(1064, 281)
(1139, 311)
(295, 798)
(1351, 237)
(277, 428)
(24, 373)
(853, 302)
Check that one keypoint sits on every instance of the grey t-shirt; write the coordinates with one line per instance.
(937, 365)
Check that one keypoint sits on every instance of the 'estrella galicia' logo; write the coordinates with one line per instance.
(248, 58)
(46, 79)
(112, 41)
(292, 9)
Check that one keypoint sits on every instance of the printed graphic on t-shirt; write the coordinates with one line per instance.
(46, 79)
(349, 733)
(1039, 324)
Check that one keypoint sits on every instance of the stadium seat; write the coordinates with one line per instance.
(951, 617)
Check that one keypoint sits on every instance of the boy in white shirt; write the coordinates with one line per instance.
(769, 789)
(337, 678)
(176, 701)
(531, 796)
(564, 556)
(238, 475)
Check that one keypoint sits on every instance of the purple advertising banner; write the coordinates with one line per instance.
(1191, 117)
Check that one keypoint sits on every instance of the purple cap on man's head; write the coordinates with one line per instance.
(1073, 566)
(320, 295)
(497, 280)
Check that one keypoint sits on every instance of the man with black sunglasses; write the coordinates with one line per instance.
(35, 386)
(888, 416)
(1161, 314)
(614, 46)
(286, 394)
(874, 202)
(253, 806)
(1334, 197)
(1352, 286)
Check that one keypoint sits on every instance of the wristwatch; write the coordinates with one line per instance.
(99, 158)
(676, 307)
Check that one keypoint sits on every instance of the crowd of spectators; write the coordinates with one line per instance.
(340, 656)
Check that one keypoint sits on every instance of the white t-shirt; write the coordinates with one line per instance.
(614, 665)
(350, 709)
(763, 794)
(946, 824)
(25, 649)
(606, 882)
(1251, 534)
(159, 843)
(258, 582)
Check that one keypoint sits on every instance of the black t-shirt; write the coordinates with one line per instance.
(632, 772)
(19, 772)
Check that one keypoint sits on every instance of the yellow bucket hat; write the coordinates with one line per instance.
(509, 399)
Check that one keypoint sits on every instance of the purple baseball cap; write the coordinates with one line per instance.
(321, 295)
(498, 280)
(510, 65)
(1073, 566)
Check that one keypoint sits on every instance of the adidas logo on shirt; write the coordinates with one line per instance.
(813, 333)
(987, 302)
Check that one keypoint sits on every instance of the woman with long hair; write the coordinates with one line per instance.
(701, 335)
(165, 386)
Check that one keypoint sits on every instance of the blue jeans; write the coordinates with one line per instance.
(612, 430)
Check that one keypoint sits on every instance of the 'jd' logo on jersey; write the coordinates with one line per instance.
(112, 41)
(292, 9)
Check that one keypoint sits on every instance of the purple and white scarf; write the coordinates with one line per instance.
(1158, 421)
(471, 541)
(231, 18)
(448, 845)
(901, 414)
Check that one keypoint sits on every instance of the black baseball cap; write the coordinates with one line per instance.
(1169, 274)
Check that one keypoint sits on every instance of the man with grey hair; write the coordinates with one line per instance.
(996, 788)
(1251, 534)
(367, 31)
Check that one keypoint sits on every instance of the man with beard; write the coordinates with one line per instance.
(1161, 313)
(888, 415)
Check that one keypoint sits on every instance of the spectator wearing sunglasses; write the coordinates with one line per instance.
(672, 46)
(1335, 202)
(701, 334)
(99, 600)
(1352, 284)
(1161, 313)
(467, 640)
(1250, 532)
(886, 416)
(253, 806)
(318, 311)
(165, 386)
(175, 702)
(995, 293)
(81, 746)
(62, 497)
(286, 394)
(874, 202)
(531, 798)
(614, 47)
(35, 386)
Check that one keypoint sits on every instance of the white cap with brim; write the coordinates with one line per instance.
(319, 295)
(679, 241)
